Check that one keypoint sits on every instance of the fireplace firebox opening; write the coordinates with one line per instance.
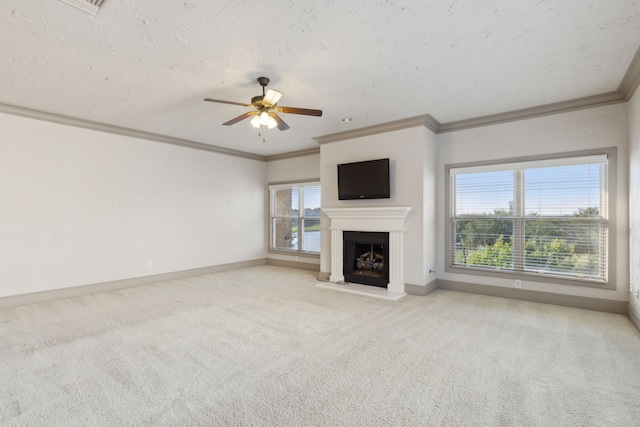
(366, 256)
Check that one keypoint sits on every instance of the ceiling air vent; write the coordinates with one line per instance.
(91, 6)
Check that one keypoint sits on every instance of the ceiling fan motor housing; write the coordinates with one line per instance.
(256, 101)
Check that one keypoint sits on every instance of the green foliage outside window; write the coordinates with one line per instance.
(497, 255)
(550, 244)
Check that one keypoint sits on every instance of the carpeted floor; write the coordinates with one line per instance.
(264, 346)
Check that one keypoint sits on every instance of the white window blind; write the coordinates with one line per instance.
(295, 217)
(541, 218)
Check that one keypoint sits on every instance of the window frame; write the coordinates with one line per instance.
(610, 214)
(301, 218)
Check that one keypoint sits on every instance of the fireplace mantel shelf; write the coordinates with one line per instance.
(387, 212)
(368, 219)
(381, 219)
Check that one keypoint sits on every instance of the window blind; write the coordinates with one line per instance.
(542, 217)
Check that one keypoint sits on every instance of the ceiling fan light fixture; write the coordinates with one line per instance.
(272, 123)
(264, 118)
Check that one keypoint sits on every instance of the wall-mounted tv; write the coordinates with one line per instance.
(364, 180)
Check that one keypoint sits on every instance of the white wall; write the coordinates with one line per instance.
(304, 168)
(429, 186)
(573, 131)
(410, 151)
(82, 207)
(634, 199)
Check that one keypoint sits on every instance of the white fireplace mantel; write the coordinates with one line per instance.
(375, 219)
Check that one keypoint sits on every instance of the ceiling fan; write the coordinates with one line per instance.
(265, 109)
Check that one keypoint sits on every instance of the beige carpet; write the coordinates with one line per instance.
(264, 346)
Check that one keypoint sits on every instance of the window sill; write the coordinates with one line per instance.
(530, 277)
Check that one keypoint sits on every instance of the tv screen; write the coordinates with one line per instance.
(364, 180)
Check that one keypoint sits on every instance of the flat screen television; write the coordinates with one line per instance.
(364, 180)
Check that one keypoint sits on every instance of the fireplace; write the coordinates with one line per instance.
(366, 256)
(388, 220)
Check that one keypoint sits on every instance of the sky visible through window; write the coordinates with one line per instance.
(311, 198)
(548, 191)
(561, 191)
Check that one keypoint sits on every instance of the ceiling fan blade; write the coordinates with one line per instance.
(304, 111)
(226, 102)
(272, 97)
(281, 124)
(239, 118)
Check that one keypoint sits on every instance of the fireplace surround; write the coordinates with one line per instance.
(372, 219)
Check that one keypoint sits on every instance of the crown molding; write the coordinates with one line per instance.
(101, 127)
(433, 125)
(293, 154)
(542, 110)
(625, 91)
(425, 120)
(631, 78)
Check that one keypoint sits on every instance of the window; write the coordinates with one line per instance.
(295, 217)
(542, 218)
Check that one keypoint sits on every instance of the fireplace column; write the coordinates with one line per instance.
(396, 269)
(337, 251)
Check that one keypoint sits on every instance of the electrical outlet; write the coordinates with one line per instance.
(518, 283)
(637, 293)
(149, 264)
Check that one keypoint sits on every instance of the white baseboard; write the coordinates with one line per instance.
(35, 297)
(597, 304)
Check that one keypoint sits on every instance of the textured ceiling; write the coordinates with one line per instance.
(147, 65)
